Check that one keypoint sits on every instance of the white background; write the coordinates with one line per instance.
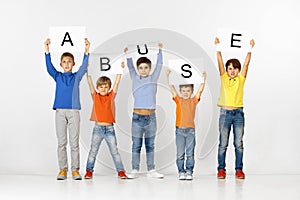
(272, 93)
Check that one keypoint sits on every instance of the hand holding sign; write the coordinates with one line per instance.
(47, 43)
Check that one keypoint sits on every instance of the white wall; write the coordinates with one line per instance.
(27, 131)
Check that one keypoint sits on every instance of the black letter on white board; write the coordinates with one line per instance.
(232, 40)
(102, 63)
(185, 70)
(139, 50)
(67, 38)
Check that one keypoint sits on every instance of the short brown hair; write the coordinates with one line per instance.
(187, 85)
(103, 80)
(143, 60)
(67, 54)
(235, 63)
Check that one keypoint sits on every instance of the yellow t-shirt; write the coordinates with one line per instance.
(232, 91)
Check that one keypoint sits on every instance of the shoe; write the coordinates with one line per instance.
(239, 174)
(122, 175)
(189, 176)
(181, 176)
(154, 174)
(88, 174)
(76, 175)
(134, 174)
(221, 174)
(62, 175)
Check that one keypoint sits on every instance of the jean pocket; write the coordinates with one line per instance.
(111, 130)
(135, 117)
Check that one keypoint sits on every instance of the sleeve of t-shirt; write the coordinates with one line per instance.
(196, 100)
(176, 98)
(242, 77)
(112, 94)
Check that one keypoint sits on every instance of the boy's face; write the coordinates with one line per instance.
(232, 72)
(186, 92)
(144, 69)
(67, 63)
(103, 89)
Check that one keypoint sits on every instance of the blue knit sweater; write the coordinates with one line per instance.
(67, 84)
(144, 88)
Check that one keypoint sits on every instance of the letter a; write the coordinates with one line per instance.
(67, 35)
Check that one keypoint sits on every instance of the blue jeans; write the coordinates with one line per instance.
(228, 118)
(143, 126)
(185, 143)
(107, 133)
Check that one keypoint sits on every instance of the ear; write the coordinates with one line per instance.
(60, 64)
(73, 64)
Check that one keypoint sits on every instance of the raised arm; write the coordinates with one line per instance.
(172, 88)
(201, 88)
(219, 57)
(247, 60)
(83, 68)
(130, 65)
(47, 43)
(87, 46)
(90, 83)
(159, 62)
(118, 78)
(50, 68)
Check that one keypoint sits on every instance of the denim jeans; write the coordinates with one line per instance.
(143, 126)
(228, 118)
(185, 144)
(107, 133)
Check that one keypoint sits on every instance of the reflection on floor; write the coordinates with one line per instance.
(206, 187)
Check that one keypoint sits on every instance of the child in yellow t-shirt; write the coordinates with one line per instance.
(185, 126)
(231, 113)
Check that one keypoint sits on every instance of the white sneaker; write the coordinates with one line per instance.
(154, 174)
(189, 176)
(134, 174)
(181, 176)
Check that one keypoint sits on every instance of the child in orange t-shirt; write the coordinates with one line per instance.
(185, 126)
(103, 114)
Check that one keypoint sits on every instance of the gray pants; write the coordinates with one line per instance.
(67, 119)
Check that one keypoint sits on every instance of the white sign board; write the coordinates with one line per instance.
(67, 39)
(183, 73)
(234, 40)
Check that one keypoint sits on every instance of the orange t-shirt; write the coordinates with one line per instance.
(104, 107)
(185, 111)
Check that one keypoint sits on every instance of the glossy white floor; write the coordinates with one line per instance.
(254, 187)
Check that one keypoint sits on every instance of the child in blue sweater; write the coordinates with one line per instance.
(144, 88)
(67, 106)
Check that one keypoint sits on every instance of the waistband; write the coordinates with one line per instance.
(106, 126)
(139, 115)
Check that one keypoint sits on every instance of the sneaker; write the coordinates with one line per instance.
(134, 174)
(189, 176)
(154, 174)
(122, 175)
(88, 174)
(62, 175)
(239, 174)
(76, 175)
(221, 174)
(181, 176)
